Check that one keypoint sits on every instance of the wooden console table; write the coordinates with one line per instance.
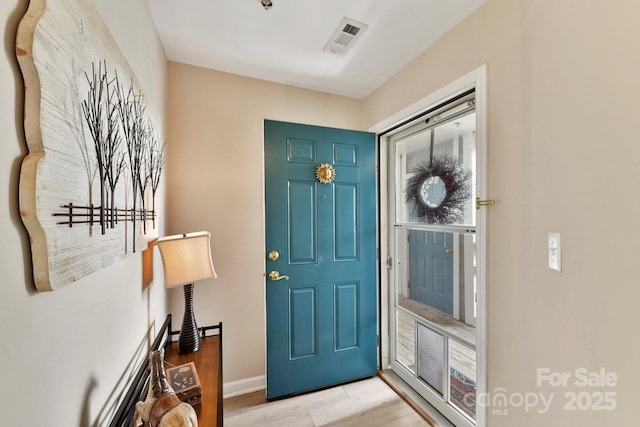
(208, 361)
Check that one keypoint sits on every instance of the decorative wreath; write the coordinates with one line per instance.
(457, 190)
(325, 173)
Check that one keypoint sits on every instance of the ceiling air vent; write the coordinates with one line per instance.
(345, 36)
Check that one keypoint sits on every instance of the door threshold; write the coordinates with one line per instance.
(413, 399)
(313, 390)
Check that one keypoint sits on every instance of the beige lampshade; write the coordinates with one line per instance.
(186, 258)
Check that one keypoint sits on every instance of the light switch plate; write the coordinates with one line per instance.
(555, 258)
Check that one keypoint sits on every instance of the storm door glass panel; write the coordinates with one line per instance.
(462, 378)
(435, 174)
(431, 361)
(436, 276)
(406, 341)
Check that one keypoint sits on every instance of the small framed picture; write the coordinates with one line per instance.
(185, 382)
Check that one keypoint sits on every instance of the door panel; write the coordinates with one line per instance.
(347, 312)
(346, 220)
(302, 222)
(304, 322)
(321, 322)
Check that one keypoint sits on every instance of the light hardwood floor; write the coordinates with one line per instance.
(369, 402)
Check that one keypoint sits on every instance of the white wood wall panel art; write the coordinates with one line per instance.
(87, 186)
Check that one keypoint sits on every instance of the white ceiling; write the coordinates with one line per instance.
(284, 44)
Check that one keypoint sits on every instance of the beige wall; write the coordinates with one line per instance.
(63, 353)
(215, 183)
(563, 156)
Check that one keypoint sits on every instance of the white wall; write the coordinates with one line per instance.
(63, 353)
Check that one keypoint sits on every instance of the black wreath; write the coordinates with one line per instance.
(457, 182)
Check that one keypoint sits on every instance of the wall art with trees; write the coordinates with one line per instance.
(89, 184)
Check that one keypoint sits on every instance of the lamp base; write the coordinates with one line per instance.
(189, 340)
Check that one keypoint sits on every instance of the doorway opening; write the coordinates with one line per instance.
(320, 255)
(435, 238)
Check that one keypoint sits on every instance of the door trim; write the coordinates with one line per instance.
(475, 79)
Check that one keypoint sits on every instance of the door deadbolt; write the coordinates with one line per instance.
(274, 255)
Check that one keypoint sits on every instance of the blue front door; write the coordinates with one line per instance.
(321, 321)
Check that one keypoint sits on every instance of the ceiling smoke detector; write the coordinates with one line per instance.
(344, 36)
(266, 4)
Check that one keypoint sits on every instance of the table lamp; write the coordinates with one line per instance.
(187, 259)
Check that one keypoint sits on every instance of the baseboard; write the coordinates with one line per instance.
(243, 386)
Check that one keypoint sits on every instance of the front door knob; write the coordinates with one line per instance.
(274, 276)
